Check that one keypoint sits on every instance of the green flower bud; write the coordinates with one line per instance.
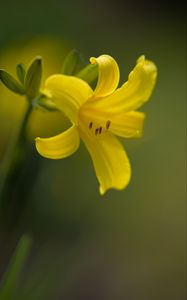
(33, 78)
(11, 83)
(89, 73)
(21, 72)
(72, 63)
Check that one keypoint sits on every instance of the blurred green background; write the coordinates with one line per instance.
(125, 245)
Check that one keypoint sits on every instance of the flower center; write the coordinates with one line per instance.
(91, 121)
(96, 129)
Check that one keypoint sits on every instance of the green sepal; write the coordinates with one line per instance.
(33, 78)
(11, 83)
(89, 73)
(21, 72)
(73, 63)
(43, 102)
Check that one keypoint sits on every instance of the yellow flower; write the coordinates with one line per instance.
(97, 116)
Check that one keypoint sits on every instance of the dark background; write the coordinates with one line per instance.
(125, 245)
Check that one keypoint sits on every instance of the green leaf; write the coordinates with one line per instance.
(11, 83)
(89, 73)
(33, 78)
(72, 63)
(21, 72)
(9, 283)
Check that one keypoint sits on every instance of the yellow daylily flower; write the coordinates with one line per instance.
(97, 116)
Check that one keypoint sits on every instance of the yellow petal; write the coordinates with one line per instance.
(108, 75)
(59, 146)
(128, 124)
(133, 93)
(124, 124)
(68, 93)
(110, 161)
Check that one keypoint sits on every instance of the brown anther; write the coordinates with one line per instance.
(90, 125)
(100, 130)
(108, 124)
(96, 131)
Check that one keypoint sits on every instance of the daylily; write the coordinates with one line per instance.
(97, 116)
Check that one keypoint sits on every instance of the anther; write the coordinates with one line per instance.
(108, 124)
(90, 125)
(100, 130)
(96, 131)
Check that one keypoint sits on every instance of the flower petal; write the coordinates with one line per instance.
(59, 146)
(128, 124)
(110, 161)
(124, 124)
(133, 93)
(68, 93)
(108, 75)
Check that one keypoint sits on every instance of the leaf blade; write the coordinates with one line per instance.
(11, 276)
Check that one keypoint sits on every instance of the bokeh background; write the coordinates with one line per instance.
(125, 245)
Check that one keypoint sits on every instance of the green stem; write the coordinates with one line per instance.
(18, 140)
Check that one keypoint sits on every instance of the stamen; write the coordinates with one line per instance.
(90, 125)
(108, 124)
(100, 130)
(96, 131)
